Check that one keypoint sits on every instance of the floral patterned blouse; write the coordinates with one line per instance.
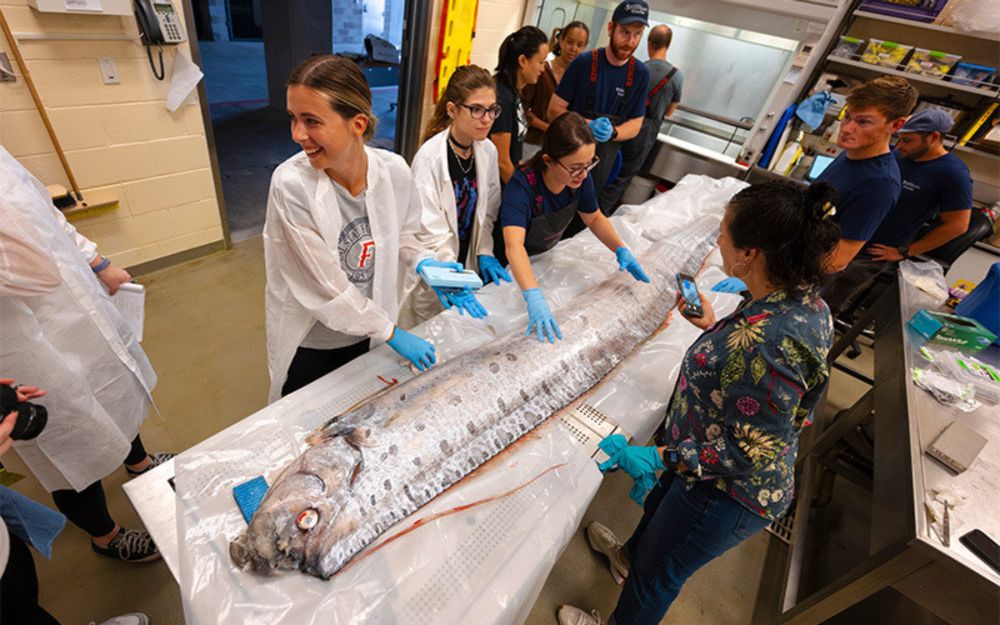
(746, 388)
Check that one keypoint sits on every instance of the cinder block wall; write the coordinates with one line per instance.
(117, 137)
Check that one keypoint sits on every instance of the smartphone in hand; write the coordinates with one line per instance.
(689, 291)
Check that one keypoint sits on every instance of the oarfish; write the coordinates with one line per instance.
(371, 467)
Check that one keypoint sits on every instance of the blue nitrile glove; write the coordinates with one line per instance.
(641, 487)
(540, 316)
(611, 445)
(730, 285)
(627, 262)
(638, 461)
(413, 348)
(439, 291)
(602, 129)
(491, 270)
(465, 302)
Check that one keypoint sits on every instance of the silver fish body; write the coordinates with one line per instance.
(374, 466)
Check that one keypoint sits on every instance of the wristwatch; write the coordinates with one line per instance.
(614, 133)
(904, 251)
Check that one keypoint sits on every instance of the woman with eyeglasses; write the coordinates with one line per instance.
(540, 201)
(455, 171)
(521, 63)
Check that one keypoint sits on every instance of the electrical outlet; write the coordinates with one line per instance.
(109, 73)
(6, 71)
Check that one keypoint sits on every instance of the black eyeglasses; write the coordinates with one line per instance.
(478, 111)
(580, 170)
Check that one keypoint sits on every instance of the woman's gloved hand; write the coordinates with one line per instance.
(602, 129)
(441, 292)
(640, 462)
(413, 348)
(540, 317)
(627, 262)
(465, 301)
(491, 270)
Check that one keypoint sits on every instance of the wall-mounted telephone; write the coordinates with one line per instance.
(159, 24)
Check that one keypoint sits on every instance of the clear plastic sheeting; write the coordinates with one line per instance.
(481, 551)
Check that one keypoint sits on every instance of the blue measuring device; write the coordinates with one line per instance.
(443, 277)
(248, 496)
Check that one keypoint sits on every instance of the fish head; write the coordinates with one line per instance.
(306, 511)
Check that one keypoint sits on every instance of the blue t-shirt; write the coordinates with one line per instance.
(929, 187)
(519, 199)
(609, 90)
(866, 189)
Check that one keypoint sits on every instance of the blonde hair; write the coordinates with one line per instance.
(462, 83)
(342, 82)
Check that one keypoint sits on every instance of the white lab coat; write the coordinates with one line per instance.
(439, 221)
(59, 331)
(305, 282)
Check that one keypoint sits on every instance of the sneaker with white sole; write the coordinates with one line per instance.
(570, 615)
(155, 461)
(130, 546)
(132, 618)
(603, 540)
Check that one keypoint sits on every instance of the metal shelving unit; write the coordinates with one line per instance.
(912, 76)
(923, 25)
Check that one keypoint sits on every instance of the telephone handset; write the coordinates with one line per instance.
(159, 24)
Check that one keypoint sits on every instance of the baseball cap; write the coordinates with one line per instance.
(631, 12)
(929, 120)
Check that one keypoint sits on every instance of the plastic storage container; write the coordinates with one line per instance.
(885, 53)
(973, 75)
(918, 10)
(931, 62)
(849, 47)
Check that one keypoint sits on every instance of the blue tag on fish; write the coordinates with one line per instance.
(248, 496)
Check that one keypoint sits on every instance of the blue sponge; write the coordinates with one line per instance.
(248, 496)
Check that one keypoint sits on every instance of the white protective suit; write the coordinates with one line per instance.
(305, 281)
(59, 331)
(438, 231)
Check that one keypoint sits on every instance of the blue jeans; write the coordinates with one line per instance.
(681, 530)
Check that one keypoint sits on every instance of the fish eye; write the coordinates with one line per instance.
(308, 519)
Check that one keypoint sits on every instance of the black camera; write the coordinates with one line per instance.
(31, 418)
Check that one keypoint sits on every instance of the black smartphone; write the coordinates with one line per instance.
(689, 291)
(983, 546)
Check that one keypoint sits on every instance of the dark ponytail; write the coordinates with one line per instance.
(792, 226)
(527, 40)
(560, 33)
(566, 134)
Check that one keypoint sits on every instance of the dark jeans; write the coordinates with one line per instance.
(309, 365)
(88, 509)
(841, 289)
(19, 589)
(680, 531)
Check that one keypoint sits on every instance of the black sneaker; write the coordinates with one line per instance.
(157, 460)
(130, 546)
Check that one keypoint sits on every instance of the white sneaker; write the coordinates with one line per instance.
(132, 618)
(569, 615)
(603, 540)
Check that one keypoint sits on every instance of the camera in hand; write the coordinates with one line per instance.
(31, 418)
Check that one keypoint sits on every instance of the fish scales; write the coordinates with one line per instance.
(375, 465)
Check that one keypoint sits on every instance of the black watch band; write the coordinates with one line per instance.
(614, 133)
(904, 250)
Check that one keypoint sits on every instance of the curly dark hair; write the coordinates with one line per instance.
(791, 226)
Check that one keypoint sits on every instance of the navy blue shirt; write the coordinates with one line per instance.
(519, 199)
(610, 87)
(867, 189)
(929, 187)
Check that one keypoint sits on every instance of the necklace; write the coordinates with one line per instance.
(452, 144)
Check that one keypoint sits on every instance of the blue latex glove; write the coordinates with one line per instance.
(491, 270)
(611, 445)
(641, 488)
(627, 262)
(730, 285)
(441, 292)
(602, 129)
(638, 461)
(413, 348)
(540, 316)
(465, 302)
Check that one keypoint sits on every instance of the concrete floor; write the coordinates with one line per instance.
(205, 337)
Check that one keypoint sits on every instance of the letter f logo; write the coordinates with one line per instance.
(367, 251)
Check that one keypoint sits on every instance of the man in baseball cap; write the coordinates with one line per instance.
(937, 188)
(608, 87)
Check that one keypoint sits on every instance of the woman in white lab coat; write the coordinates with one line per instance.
(60, 331)
(459, 184)
(340, 217)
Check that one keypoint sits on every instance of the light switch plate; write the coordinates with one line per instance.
(6, 71)
(109, 72)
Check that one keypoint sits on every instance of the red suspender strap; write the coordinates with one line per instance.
(593, 66)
